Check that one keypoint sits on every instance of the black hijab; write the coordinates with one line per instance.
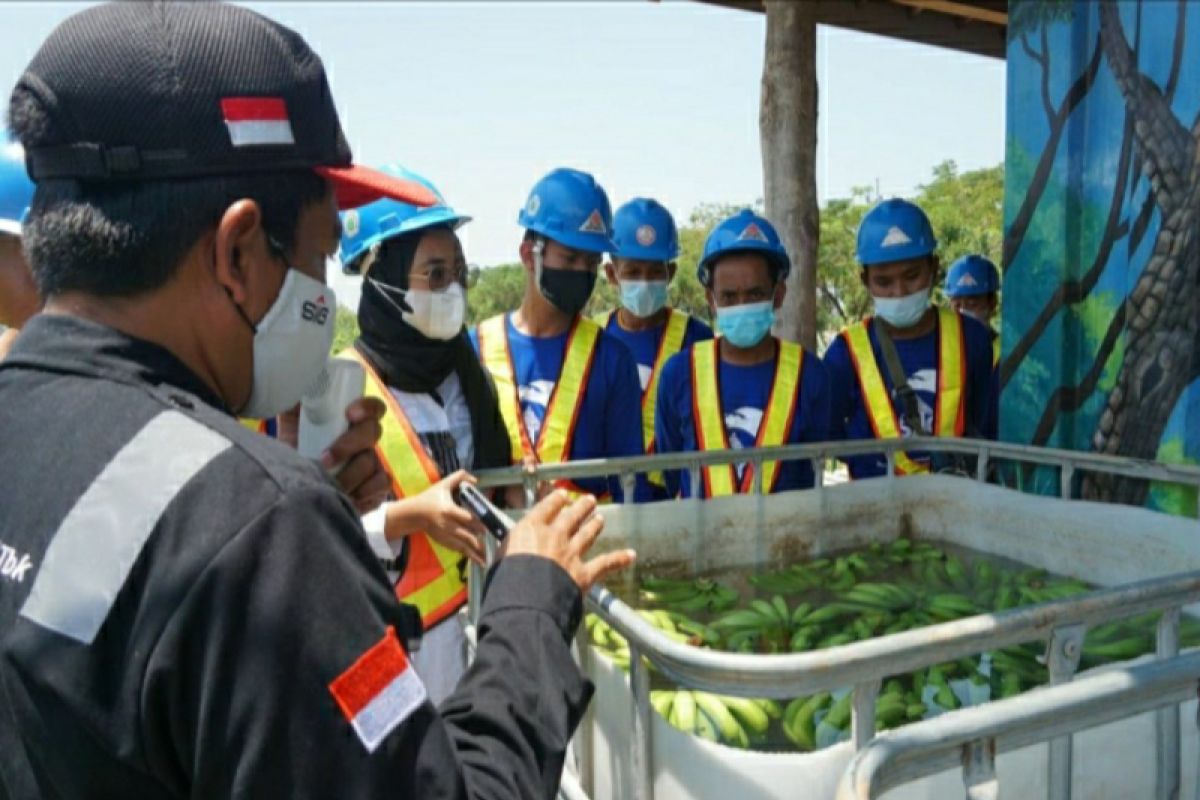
(408, 360)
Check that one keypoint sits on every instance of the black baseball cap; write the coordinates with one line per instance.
(150, 91)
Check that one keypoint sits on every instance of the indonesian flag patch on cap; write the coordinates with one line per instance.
(257, 121)
(379, 691)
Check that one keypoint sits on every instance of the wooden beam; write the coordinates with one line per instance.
(959, 9)
(906, 21)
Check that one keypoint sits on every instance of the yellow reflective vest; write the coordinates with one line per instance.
(434, 575)
(949, 413)
(553, 445)
(671, 343)
(709, 419)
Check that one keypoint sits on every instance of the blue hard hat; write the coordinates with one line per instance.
(16, 189)
(644, 230)
(744, 232)
(363, 228)
(894, 230)
(569, 207)
(972, 275)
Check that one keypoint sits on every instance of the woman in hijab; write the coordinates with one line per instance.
(443, 417)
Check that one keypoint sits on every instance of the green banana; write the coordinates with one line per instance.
(662, 701)
(839, 714)
(753, 717)
(683, 711)
(727, 725)
(770, 707)
(799, 723)
(705, 728)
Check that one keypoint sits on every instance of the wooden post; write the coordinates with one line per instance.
(787, 124)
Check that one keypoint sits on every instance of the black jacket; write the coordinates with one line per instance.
(191, 590)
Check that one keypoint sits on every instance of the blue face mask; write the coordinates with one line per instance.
(643, 298)
(902, 312)
(746, 325)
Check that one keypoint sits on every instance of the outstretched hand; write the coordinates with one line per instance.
(564, 532)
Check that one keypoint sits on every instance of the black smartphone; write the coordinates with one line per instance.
(473, 500)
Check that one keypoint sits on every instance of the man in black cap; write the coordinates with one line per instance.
(188, 609)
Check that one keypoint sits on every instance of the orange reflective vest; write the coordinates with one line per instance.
(949, 413)
(553, 445)
(434, 575)
(671, 343)
(709, 419)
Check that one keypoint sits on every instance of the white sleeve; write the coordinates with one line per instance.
(374, 523)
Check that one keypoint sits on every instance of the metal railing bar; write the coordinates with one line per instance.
(926, 748)
(1077, 460)
(795, 674)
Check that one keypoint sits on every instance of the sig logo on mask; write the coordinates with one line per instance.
(315, 311)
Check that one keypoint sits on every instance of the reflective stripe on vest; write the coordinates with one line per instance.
(709, 419)
(995, 351)
(256, 425)
(948, 416)
(671, 343)
(433, 575)
(562, 411)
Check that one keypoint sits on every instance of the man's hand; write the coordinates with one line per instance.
(435, 513)
(564, 532)
(361, 476)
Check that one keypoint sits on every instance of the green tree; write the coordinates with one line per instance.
(345, 329)
(493, 290)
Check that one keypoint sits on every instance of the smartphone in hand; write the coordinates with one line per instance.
(495, 520)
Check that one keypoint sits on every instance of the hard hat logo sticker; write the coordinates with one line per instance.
(753, 233)
(594, 223)
(350, 223)
(645, 235)
(895, 237)
(533, 206)
(968, 280)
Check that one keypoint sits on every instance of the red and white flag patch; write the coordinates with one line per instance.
(379, 691)
(256, 121)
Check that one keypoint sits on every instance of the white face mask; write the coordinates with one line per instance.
(435, 315)
(902, 312)
(291, 344)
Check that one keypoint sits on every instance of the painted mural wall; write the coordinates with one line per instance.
(1101, 303)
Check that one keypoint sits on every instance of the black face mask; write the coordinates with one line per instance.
(567, 290)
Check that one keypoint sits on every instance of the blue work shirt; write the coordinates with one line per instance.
(608, 424)
(745, 393)
(644, 344)
(919, 358)
(644, 347)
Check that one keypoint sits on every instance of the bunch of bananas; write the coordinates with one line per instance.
(774, 627)
(877, 590)
(735, 721)
(690, 595)
(673, 624)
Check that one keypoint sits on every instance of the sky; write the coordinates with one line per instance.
(655, 98)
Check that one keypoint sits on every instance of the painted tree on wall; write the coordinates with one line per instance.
(1143, 344)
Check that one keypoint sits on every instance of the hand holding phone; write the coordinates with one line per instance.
(496, 521)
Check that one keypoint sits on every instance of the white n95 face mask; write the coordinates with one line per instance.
(435, 315)
(291, 344)
(902, 312)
